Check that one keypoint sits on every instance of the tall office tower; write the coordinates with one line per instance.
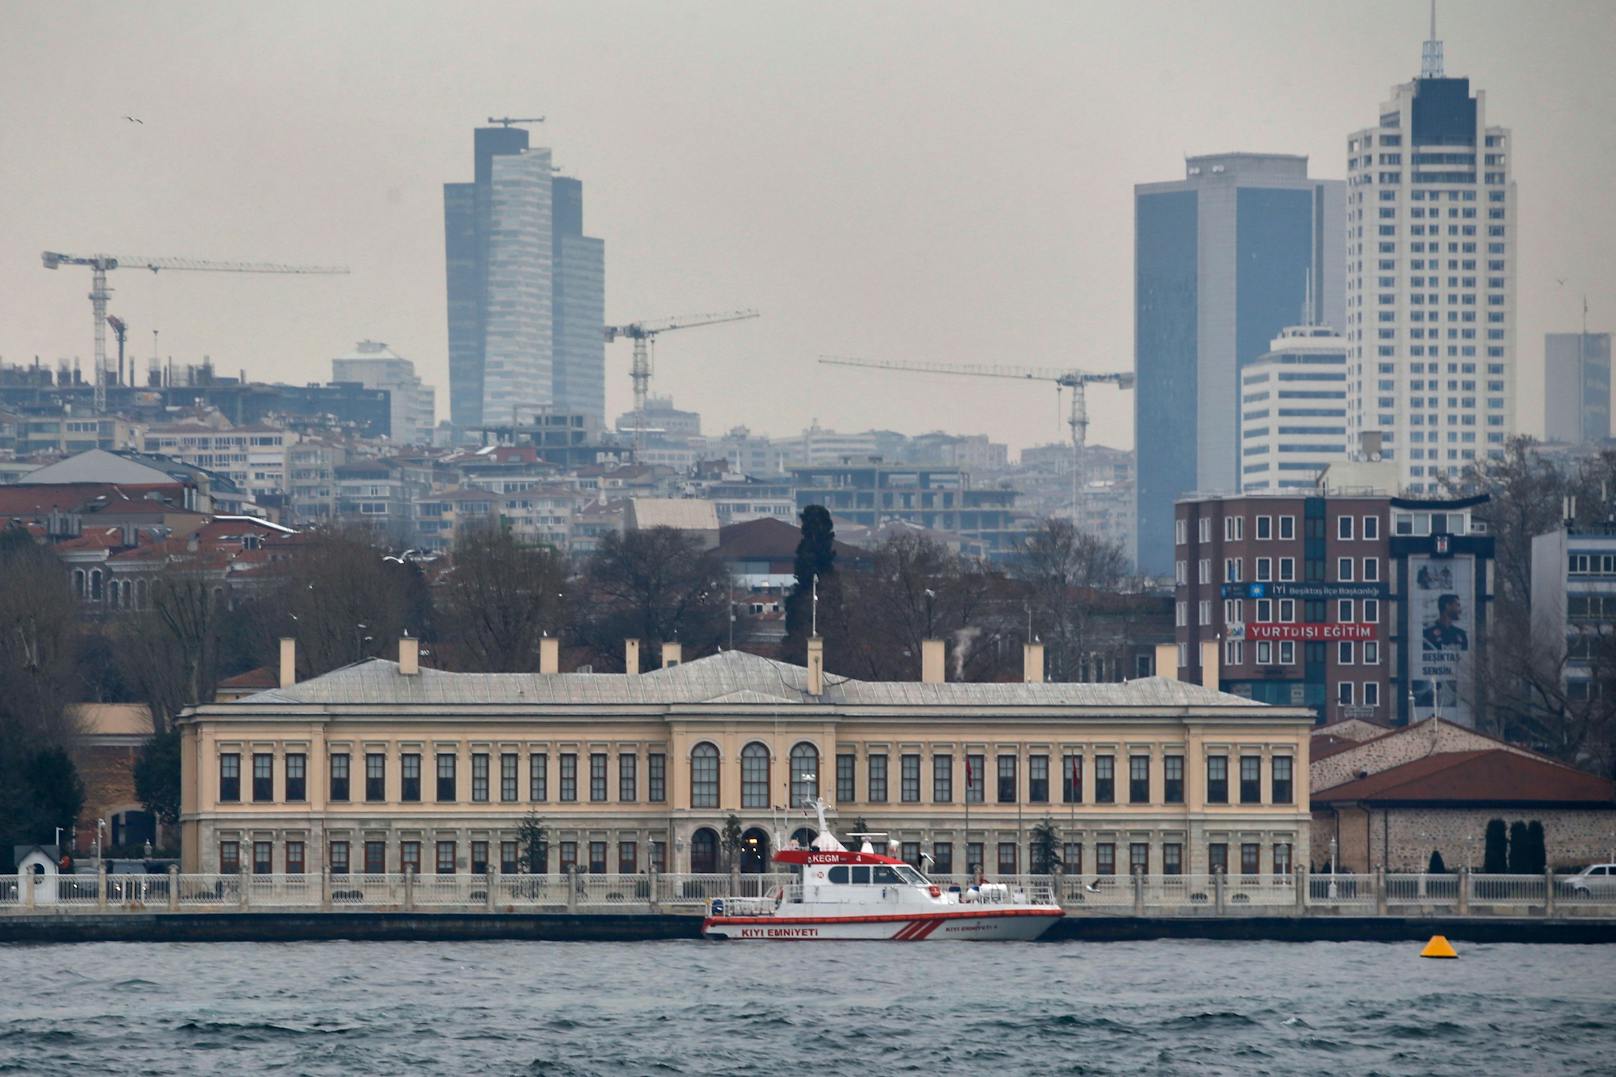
(579, 316)
(1222, 263)
(1576, 386)
(1431, 278)
(498, 259)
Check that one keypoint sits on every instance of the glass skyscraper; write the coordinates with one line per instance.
(1222, 263)
(525, 288)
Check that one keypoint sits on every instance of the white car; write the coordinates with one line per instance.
(1595, 879)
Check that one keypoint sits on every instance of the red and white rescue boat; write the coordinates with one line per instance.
(841, 894)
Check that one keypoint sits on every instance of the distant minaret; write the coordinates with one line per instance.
(1431, 53)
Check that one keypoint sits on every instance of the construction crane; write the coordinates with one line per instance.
(1077, 381)
(643, 334)
(509, 121)
(100, 264)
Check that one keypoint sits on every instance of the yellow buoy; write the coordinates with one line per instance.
(1438, 947)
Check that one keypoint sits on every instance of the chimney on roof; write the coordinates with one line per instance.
(1167, 660)
(409, 656)
(672, 655)
(1210, 665)
(816, 666)
(549, 655)
(933, 656)
(1032, 663)
(288, 661)
(631, 656)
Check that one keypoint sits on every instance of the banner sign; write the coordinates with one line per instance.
(1311, 632)
(1317, 589)
(1441, 621)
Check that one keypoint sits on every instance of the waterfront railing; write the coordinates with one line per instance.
(1205, 894)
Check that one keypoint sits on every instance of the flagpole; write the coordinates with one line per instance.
(970, 868)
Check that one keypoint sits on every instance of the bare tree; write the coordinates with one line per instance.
(1071, 577)
(171, 648)
(344, 599)
(658, 585)
(499, 598)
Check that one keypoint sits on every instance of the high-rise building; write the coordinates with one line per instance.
(1222, 263)
(1293, 409)
(1431, 250)
(1576, 387)
(411, 402)
(525, 288)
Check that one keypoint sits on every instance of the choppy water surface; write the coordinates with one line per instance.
(690, 1007)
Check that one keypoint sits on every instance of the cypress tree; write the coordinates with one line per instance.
(1495, 861)
(816, 558)
(1436, 866)
(1536, 848)
(1520, 862)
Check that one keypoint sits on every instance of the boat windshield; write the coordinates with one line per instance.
(910, 875)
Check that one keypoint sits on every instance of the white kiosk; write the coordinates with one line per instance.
(36, 873)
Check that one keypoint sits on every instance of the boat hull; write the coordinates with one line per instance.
(986, 925)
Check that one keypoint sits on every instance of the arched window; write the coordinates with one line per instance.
(804, 774)
(704, 850)
(78, 582)
(704, 776)
(754, 776)
(804, 837)
(140, 594)
(95, 585)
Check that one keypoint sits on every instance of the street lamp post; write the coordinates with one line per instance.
(1332, 890)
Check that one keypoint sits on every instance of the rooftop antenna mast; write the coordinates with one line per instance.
(1431, 53)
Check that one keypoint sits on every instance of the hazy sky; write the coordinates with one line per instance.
(924, 181)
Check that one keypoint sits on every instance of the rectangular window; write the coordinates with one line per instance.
(1071, 779)
(877, 779)
(1217, 857)
(1072, 858)
(339, 776)
(509, 864)
(1282, 858)
(1343, 527)
(973, 857)
(1250, 858)
(1173, 779)
(479, 858)
(975, 778)
(1139, 779)
(229, 777)
(338, 858)
(846, 775)
(1105, 858)
(1287, 527)
(909, 853)
(909, 778)
(446, 858)
(296, 858)
(942, 779)
(263, 858)
(375, 777)
(263, 777)
(507, 777)
(1038, 779)
(1265, 527)
(942, 857)
(1138, 858)
(569, 855)
(297, 777)
(446, 777)
(1007, 858)
(628, 857)
(1217, 779)
(538, 777)
(597, 858)
(1007, 791)
(1105, 779)
(569, 779)
(1371, 527)
(597, 776)
(628, 767)
(1251, 779)
(1172, 858)
(1281, 767)
(656, 777)
(230, 857)
(409, 857)
(375, 858)
(409, 766)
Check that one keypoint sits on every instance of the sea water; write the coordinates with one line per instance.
(852, 1008)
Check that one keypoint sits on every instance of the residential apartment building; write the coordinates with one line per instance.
(1222, 263)
(252, 457)
(412, 402)
(1293, 410)
(1576, 386)
(938, 498)
(387, 766)
(1431, 249)
(1574, 608)
(312, 478)
(1359, 606)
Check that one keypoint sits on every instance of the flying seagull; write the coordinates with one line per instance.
(136, 119)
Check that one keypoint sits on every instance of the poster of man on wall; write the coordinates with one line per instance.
(1442, 620)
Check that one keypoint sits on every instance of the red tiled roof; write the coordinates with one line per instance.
(767, 537)
(1489, 776)
(262, 677)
